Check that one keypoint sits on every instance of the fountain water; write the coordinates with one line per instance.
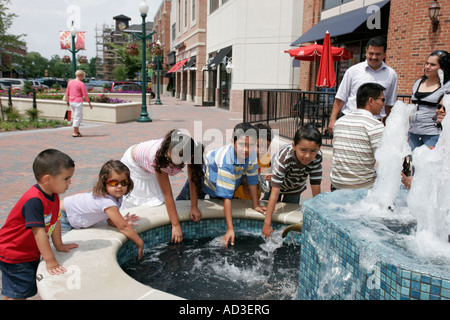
(386, 242)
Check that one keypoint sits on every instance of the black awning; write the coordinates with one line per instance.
(340, 25)
(190, 63)
(219, 57)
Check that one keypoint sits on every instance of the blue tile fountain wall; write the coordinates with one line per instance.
(335, 265)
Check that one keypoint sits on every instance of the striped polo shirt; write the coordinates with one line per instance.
(356, 138)
(290, 175)
(224, 173)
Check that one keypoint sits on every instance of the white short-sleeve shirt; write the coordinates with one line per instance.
(362, 73)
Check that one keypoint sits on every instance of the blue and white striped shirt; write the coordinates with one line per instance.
(224, 173)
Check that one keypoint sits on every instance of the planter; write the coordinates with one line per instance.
(156, 51)
(65, 59)
(132, 52)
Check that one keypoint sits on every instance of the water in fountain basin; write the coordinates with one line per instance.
(254, 268)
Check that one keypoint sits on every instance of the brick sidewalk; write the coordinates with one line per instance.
(102, 142)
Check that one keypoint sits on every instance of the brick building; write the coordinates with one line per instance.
(404, 23)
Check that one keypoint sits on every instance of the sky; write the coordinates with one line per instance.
(42, 21)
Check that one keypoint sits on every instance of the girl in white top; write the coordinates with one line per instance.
(86, 209)
(152, 162)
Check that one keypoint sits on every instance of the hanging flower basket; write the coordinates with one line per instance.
(165, 66)
(152, 65)
(155, 48)
(82, 60)
(132, 49)
(65, 59)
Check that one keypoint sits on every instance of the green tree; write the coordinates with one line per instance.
(8, 42)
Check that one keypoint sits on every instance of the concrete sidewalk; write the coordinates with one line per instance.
(102, 142)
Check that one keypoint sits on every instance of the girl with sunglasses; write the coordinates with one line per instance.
(86, 209)
(152, 163)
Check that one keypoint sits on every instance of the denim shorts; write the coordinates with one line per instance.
(65, 225)
(19, 279)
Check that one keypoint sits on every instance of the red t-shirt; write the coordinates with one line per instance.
(34, 209)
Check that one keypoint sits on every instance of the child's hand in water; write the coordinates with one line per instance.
(131, 219)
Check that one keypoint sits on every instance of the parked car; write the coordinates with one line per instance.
(16, 83)
(4, 85)
(131, 86)
(126, 87)
(38, 85)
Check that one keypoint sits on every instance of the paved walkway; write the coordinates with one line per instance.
(102, 142)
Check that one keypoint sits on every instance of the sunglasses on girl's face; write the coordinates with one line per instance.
(440, 106)
(115, 183)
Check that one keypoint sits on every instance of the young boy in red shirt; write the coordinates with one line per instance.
(25, 236)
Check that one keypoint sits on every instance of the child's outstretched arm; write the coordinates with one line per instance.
(47, 254)
(229, 236)
(166, 188)
(195, 213)
(57, 240)
(125, 228)
(267, 228)
(254, 193)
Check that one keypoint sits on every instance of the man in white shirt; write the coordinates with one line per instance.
(373, 69)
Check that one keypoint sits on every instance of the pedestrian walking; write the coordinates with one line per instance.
(75, 92)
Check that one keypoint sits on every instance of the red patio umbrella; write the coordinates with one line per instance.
(326, 77)
(311, 52)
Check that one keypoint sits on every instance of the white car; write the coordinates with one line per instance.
(16, 83)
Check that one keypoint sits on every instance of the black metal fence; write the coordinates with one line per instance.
(287, 110)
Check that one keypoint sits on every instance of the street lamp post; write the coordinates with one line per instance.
(143, 9)
(158, 70)
(73, 34)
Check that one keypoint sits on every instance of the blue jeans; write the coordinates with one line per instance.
(285, 198)
(417, 140)
(65, 225)
(19, 279)
(185, 193)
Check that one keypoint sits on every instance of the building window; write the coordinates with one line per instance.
(328, 4)
(185, 13)
(213, 5)
(179, 16)
(193, 9)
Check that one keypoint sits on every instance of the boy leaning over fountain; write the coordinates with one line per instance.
(25, 236)
(225, 168)
(291, 167)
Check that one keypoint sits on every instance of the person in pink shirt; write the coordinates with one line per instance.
(76, 91)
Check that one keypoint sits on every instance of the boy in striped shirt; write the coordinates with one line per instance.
(291, 167)
(225, 168)
(356, 138)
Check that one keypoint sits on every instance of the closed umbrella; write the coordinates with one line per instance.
(326, 77)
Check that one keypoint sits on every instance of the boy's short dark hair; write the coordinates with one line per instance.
(377, 42)
(366, 91)
(263, 131)
(50, 162)
(243, 129)
(308, 132)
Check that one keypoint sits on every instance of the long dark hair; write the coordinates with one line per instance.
(444, 62)
(183, 150)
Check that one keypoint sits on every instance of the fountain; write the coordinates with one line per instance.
(386, 242)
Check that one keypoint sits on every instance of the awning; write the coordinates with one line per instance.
(177, 66)
(219, 57)
(339, 25)
(191, 62)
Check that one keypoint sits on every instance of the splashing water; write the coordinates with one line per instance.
(427, 204)
(254, 268)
